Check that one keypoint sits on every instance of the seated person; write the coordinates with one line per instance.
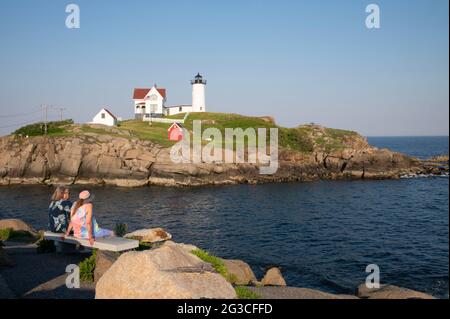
(83, 222)
(59, 210)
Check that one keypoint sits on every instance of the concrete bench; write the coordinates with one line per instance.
(116, 244)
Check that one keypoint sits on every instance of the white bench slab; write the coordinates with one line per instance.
(108, 243)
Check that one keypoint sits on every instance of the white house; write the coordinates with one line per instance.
(151, 102)
(105, 117)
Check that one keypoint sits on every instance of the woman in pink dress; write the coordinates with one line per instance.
(82, 220)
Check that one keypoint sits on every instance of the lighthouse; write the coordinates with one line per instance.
(198, 94)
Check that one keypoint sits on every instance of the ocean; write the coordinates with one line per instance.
(321, 234)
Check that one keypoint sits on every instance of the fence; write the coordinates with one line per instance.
(164, 120)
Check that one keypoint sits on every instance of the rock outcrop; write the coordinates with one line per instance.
(152, 235)
(390, 292)
(124, 161)
(167, 272)
(240, 271)
(273, 277)
(103, 261)
(17, 225)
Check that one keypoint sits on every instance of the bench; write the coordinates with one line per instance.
(116, 244)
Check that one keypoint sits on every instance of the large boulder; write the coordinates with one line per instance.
(240, 271)
(17, 225)
(152, 235)
(273, 277)
(390, 292)
(103, 261)
(168, 272)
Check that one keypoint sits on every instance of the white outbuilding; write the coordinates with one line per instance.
(105, 117)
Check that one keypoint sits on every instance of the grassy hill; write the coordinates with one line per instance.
(304, 138)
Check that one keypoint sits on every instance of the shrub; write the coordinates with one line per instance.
(245, 293)
(45, 246)
(39, 128)
(87, 268)
(121, 229)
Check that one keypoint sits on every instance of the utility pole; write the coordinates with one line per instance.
(61, 109)
(45, 109)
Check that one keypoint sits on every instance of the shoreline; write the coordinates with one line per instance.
(129, 184)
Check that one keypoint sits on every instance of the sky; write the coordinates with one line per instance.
(298, 61)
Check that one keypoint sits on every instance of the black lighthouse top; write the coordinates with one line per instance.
(198, 79)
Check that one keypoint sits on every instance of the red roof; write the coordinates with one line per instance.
(139, 94)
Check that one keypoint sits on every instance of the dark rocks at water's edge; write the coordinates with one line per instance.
(97, 159)
(166, 270)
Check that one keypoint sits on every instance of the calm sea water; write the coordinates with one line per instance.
(322, 234)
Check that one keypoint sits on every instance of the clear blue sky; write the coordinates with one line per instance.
(299, 61)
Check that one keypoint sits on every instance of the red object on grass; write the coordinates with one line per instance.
(175, 132)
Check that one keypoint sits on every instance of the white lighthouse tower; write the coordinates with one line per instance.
(198, 94)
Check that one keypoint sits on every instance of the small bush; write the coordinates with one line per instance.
(121, 229)
(45, 246)
(245, 293)
(87, 268)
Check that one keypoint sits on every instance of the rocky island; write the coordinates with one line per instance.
(138, 154)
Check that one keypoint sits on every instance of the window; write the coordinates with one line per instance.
(201, 108)
(103, 115)
(180, 109)
(153, 108)
(153, 97)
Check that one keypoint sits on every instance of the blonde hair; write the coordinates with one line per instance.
(59, 193)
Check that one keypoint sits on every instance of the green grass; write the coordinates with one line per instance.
(305, 139)
(216, 262)
(37, 129)
(5, 233)
(156, 132)
(243, 292)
